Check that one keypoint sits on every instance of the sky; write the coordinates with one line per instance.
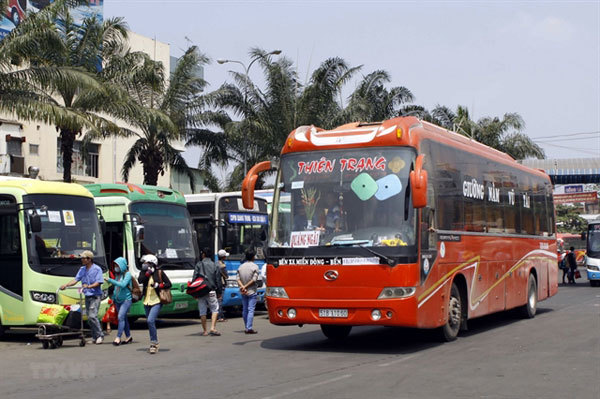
(540, 59)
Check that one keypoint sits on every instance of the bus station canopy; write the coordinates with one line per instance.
(568, 171)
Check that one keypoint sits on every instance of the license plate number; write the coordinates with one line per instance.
(181, 305)
(333, 312)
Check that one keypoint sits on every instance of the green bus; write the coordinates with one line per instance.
(44, 227)
(143, 219)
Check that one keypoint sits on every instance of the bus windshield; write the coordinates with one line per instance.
(593, 241)
(167, 233)
(242, 231)
(69, 227)
(344, 198)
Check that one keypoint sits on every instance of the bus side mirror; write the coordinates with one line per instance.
(35, 222)
(250, 181)
(138, 230)
(583, 236)
(418, 183)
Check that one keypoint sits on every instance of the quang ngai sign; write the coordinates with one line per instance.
(590, 197)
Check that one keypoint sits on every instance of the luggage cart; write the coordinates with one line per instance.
(52, 335)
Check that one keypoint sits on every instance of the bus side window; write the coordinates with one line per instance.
(11, 259)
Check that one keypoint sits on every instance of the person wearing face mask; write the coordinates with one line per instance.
(122, 298)
(153, 280)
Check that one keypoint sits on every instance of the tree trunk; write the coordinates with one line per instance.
(152, 167)
(67, 139)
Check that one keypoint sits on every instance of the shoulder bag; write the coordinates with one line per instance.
(164, 293)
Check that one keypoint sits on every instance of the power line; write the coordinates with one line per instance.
(569, 135)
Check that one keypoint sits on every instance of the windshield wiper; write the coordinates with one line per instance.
(360, 244)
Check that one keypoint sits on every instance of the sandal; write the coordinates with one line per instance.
(215, 333)
(127, 341)
(117, 342)
(205, 334)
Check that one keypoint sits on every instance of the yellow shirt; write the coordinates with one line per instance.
(151, 297)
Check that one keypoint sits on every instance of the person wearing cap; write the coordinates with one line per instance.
(222, 254)
(153, 280)
(90, 275)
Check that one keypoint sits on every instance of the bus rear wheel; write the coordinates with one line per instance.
(530, 308)
(449, 331)
(335, 333)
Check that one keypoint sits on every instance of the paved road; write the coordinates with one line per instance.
(555, 355)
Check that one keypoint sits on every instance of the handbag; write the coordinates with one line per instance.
(164, 294)
(198, 288)
(577, 274)
(136, 292)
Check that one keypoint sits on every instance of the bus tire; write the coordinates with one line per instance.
(335, 333)
(2, 330)
(132, 319)
(449, 331)
(593, 283)
(530, 308)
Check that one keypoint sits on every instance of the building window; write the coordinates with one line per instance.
(34, 149)
(83, 164)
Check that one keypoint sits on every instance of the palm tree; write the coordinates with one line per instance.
(180, 100)
(267, 117)
(318, 104)
(28, 82)
(372, 102)
(503, 134)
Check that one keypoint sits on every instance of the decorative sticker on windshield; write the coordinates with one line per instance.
(325, 165)
(397, 164)
(387, 187)
(54, 217)
(69, 217)
(303, 239)
(364, 186)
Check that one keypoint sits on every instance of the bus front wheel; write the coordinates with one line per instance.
(449, 331)
(335, 333)
(529, 309)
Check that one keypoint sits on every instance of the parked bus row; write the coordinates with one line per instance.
(45, 226)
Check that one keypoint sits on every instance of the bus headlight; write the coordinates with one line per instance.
(276, 292)
(594, 268)
(396, 292)
(232, 284)
(46, 297)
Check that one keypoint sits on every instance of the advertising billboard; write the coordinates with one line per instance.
(17, 10)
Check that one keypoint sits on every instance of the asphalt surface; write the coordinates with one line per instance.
(554, 355)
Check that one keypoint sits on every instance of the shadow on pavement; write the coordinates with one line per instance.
(386, 340)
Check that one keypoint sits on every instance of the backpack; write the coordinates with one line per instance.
(136, 292)
(198, 288)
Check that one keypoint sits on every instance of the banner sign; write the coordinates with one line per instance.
(248, 218)
(586, 198)
(574, 189)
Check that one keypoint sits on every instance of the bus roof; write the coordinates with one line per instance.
(31, 186)
(210, 197)
(135, 192)
(401, 131)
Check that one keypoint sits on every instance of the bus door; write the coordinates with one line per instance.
(205, 231)
(113, 241)
(11, 262)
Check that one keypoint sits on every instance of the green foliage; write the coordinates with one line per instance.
(568, 220)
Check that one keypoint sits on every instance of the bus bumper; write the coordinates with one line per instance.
(393, 312)
(593, 275)
(232, 297)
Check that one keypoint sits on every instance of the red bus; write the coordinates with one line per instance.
(403, 223)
